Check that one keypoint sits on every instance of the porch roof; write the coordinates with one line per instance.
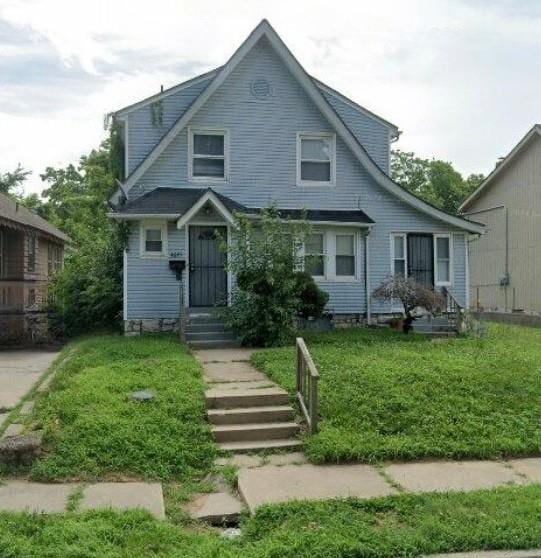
(172, 203)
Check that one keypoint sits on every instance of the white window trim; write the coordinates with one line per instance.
(162, 225)
(329, 256)
(208, 132)
(405, 237)
(344, 278)
(437, 282)
(316, 135)
(325, 255)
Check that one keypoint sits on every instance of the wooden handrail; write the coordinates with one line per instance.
(307, 385)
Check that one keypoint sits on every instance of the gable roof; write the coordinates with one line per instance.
(264, 29)
(533, 132)
(14, 212)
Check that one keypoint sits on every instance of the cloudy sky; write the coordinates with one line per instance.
(461, 78)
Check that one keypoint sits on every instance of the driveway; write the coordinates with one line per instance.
(19, 371)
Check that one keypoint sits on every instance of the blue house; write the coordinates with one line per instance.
(259, 131)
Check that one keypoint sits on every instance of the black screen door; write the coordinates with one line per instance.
(208, 277)
(421, 258)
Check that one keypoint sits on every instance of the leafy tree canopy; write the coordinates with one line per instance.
(435, 181)
(11, 183)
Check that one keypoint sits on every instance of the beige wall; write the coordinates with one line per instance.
(518, 190)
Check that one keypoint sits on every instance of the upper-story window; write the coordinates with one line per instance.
(54, 258)
(31, 257)
(316, 159)
(208, 154)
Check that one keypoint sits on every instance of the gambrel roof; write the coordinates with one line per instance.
(264, 29)
(533, 132)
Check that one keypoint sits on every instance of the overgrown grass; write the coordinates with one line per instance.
(93, 429)
(385, 395)
(398, 526)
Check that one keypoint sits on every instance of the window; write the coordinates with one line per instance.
(31, 297)
(31, 260)
(54, 259)
(399, 254)
(442, 257)
(208, 154)
(153, 239)
(345, 255)
(1, 254)
(314, 255)
(315, 159)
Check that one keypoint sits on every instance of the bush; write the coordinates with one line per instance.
(312, 298)
(263, 257)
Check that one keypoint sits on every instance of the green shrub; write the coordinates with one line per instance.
(312, 298)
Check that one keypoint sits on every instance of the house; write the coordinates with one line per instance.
(259, 130)
(506, 262)
(31, 251)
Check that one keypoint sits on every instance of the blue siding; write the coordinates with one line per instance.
(153, 291)
(263, 169)
(143, 135)
(371, 134)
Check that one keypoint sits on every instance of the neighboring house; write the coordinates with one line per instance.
(31, 251)
(256, 131)
(506, 262)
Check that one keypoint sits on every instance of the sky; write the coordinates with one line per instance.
(460, 78)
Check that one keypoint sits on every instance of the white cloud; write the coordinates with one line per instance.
(460, 78)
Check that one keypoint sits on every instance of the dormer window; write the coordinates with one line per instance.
(316, 156)
(208, 154)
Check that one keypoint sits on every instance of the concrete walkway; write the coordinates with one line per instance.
(33, 497)
(19, 371)
(271, 484)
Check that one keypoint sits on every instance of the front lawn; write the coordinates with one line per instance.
(396, 526)
(385, 395)
(93, 428)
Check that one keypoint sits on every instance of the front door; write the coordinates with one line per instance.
(421, 258)
(208, 276)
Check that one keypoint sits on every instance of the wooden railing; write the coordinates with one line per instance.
(455, 312)
(307, 385)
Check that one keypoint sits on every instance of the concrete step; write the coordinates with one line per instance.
(199, 319)
(251, 415)
(210, 336)
(234, 344)
(260, 445)
(235, 398)
(257, 431)
(211, 327)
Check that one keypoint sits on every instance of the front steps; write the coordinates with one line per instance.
(247, 416)
(205, 329)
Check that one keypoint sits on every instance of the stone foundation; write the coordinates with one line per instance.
(150, 325)
(24, 328)
(345, 321)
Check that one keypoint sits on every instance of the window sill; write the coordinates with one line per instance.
(206, 179)
(152, 256)
(303, 183)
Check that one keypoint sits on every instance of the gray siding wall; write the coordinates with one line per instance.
(263, 169)
(371, 134)
(143, 135)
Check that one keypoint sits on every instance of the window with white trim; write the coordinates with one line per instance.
(316, 154)
(345, 255)
(442, 257)
(399, 254)
(314, 255)
(208, 150)
(153, 239)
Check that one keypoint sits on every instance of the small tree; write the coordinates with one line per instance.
(412, 295)
(265, 258)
